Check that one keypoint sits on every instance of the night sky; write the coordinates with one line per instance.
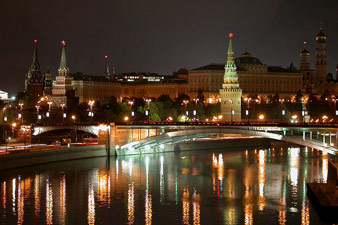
(158, 36)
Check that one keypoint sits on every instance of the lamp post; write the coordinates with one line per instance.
(37, 111)
(148, 111)
(74, 118)
(231, 112)
(131, 103)
(49, 108)
(63, 105)
(13, 127)
(91, 103)
(20, 116)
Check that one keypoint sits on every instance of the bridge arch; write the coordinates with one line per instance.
(37, 130)
(156, 143)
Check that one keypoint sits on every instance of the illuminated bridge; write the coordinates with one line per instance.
(128, 139)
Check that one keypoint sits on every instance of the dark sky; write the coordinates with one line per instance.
(158, 36)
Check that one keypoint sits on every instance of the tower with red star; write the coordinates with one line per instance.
(34, 79)
(230, 93)
(63, 88)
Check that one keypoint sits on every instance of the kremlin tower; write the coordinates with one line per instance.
(62, 88)
(230, 92)
(34, 80)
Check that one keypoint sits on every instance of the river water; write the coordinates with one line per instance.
(239, 186)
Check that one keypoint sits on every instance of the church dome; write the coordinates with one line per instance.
(247, 59)
(329, 77)
(321, 36)
(246, 54)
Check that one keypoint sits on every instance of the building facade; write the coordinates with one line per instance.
(254, 77)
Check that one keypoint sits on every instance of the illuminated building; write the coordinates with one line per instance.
(3, 95)
(254, 78)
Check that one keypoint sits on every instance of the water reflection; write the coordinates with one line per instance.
(131, 203)
(185, 206)
(49, 202)
(91, 205)
(239, 187)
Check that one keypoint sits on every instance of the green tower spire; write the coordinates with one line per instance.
(230, 73)
(63, 62)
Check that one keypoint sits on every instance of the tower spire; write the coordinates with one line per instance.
(107, 66)
(63, 62)
(35, 65)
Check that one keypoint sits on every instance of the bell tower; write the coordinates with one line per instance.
(304, 59)
(230, 93)
(321, 67)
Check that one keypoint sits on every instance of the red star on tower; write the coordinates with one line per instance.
(106, 57)
(35, 41)
(231, 35)
(63, 42)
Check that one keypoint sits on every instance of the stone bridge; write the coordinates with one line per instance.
(140, 139)
(92, 129)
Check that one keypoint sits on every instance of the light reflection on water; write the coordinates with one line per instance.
(237, 187)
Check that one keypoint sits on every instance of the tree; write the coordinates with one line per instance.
(200, 95)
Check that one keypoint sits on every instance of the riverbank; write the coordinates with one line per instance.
(11, 161)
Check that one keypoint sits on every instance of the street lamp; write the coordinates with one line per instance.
(20, 114)
(73, 118)
(13, 127)
(147, 112)
(63, 105)
(49, 105)
(91, 114)
(38, 112)
(261, 117)
(231, 111)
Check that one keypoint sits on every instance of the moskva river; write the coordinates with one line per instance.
(238, 186)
